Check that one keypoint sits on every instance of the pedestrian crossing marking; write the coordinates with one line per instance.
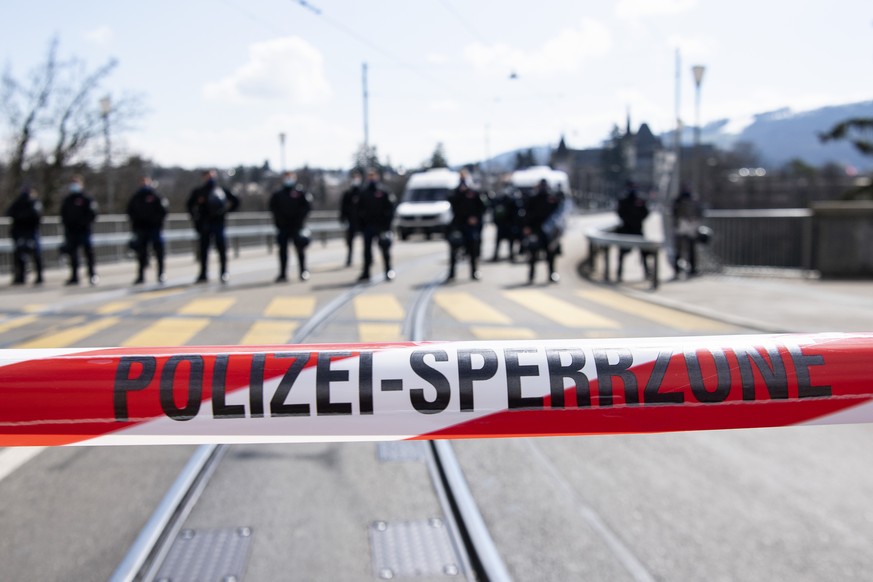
(115, 307)
(379, 332)
(290, 307)
(269, 333)
(672, 318)
(35, 308)
(560, 311)
(502, 333)
(158, 293)
(11, 324)
(208, 306)
(69, 336)
(168, 331)
(379, 306)
(467, 308)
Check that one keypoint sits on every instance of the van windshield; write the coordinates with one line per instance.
(425, 194)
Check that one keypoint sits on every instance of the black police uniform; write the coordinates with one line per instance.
(26, 213)
(78, 213)
(465, 229)
(506, 209)
(290, 207)
(349, 216)
(147, 210)
(375, 214)
(632, 211)
(540, 210)
(208, 204)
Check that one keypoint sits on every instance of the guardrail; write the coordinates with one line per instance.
(112, 234)
(780, 238)
(602, 240)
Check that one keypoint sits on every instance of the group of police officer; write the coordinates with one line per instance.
(532, 223)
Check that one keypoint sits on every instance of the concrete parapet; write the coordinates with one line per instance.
(844, 239)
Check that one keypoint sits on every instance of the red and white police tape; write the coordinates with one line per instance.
(309, 393)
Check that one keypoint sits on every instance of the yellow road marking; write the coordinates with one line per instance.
(168, 331)
(17, 322)
(115, 307)
(560, 311)
(269, 332)
(379, 332)
(664, 315)
(383, 307)
(290, 307)
(467, 308)
(159, 293)
(208, 306)
(503, 333)
(69, 336)
(35, 308)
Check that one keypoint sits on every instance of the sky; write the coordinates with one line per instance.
(221, 79)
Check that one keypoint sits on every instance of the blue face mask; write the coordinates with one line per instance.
(75, 187)
(289, 183)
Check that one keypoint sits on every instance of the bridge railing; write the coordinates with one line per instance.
(112, 234)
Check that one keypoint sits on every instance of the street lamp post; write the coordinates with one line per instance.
(105, 110)
(282, 151)
(698, 71)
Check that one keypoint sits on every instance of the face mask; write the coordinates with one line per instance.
(210, 183)
(356, 182)
(289, 183)
(75, 187)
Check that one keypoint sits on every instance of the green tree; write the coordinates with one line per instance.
(438, 158)
(859, 132)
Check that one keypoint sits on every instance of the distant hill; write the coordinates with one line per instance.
(779, 136)
(783, 135)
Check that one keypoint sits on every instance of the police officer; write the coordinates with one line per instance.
(290, 206)
(208, 204)
(632, 211)
(147, 210)
(26, 213)
(375, 214)
(78, 213)
(506, 210)
(543, 227)
(349, 213)
(465, 229)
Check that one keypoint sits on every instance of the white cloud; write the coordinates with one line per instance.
(564, 53)
(101, 35)
(635, 9)
(287, 69)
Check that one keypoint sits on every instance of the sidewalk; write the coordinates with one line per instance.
(768, 301)
(768, 304)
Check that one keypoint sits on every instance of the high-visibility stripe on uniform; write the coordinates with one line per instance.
(472, 389)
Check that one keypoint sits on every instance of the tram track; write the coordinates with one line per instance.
(478, 559)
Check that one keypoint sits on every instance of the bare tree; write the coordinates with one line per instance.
(54, 116)
(23, 104)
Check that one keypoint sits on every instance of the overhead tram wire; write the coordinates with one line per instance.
(352, 33)
(464, 23)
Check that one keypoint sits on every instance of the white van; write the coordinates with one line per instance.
(424, 207)
(527, 180)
